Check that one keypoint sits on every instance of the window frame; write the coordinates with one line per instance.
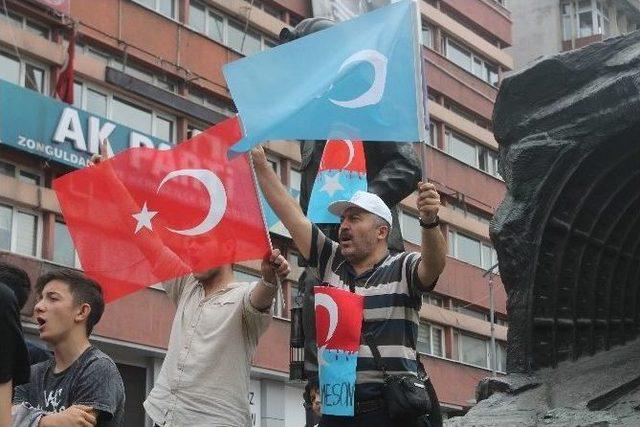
(449, 42)
(110, 95)
(432, 327)
(402, 212)
(23, 62)
(265, 41)
(76, 258)
(14, 222)
(452, 243)
(156, 8)
(19, 169)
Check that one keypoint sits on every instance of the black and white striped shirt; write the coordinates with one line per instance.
(392, 300)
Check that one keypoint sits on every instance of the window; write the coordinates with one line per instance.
(242, 276)
(63, 250)
(24, 23)
(472, 312)
(584, 18)
(472, 153)
(473, 350)
(23, 73)
(199, 96)
(469, 61)
(137, 71)
(430, 340)
(433, 134)
(471, 250)
(271, 10)
(15, 171)
(410, 227)
(163, 7)
(225, 30)
(19, 230)
(462, 149)
(432, 299)
(463, 208)
(427, 35)
(294, 263)
(102, 103)
(295, 180)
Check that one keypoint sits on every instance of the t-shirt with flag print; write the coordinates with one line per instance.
(392, 299)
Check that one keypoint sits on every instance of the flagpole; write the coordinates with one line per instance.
(264, 220)
(420, 95)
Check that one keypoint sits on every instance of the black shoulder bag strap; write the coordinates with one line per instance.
(376, 354)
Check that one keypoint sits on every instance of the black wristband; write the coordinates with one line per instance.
(430, 225)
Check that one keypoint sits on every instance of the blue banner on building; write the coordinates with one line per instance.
(60, 132)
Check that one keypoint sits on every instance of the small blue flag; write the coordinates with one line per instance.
(358, 80)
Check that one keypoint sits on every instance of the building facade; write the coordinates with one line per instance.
(560, 25)
(149, 72)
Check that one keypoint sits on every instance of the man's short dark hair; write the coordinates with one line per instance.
(83, 289)
(16, 279)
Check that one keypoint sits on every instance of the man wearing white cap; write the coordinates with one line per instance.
(392, 285)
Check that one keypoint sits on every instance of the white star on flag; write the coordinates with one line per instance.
(332, 184)
(144, 218)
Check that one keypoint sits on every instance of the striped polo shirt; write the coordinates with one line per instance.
(392, 300)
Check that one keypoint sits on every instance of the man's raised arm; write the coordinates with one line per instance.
(285, 206)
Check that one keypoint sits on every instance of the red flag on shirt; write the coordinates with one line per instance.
(148, 215)
(64, 85)
(338, 318)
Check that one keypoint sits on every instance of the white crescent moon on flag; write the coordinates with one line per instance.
(374, 94)
(217, 199)
(352, 152)
(324, 300)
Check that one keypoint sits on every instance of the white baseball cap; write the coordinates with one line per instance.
(368, 201)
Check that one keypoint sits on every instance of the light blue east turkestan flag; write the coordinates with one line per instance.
(358, 80)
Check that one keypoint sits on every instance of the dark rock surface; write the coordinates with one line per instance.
(568, 241)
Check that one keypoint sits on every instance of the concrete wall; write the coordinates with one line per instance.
(536, 30)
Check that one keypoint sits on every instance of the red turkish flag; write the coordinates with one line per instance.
(64, 85)
(338, 318)
(148, 215)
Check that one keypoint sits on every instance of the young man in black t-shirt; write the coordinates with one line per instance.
(80, 386)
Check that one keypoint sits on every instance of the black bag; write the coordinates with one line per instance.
(406, 396)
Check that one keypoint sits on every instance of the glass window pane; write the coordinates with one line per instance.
(165, 7)
(244, 43)
(26, 233)
(34, 78)
(132, 116)
(427, 35)
(216, 27)
(38, 29)
(486, 257)
(30, 178)
(148, 3)
(436, 340)
(462, 150)
(6, 217)
(197, 16)
(9, 69)
(96, 103)
(458, 55)
(164, 129)
(585, 24)
(77, 95)
(468, 249)
(295, 180)
(7, 169)
(241, 276)
(63, 251)
(451, 243)
(473, 350)
(424, 338)
(11, 18)
(410, 227)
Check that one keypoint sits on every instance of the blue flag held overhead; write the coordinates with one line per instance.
(358, 80)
